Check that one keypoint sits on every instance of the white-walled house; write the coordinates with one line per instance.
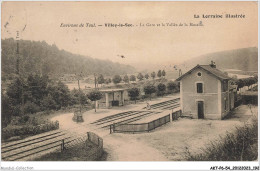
(206, 92)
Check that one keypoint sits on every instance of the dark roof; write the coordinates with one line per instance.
(214, 71)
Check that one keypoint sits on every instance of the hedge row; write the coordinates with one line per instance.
(26, 130)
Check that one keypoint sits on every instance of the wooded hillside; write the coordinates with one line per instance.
(39, 57)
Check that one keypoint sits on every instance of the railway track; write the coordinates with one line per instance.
(111, 117)
(131, 116)
(171, 107)
(38, 145)
(170, 104)
(131, 119)
(31, 148)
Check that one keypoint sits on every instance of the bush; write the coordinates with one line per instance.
(161, 88)
(26, 130)
(48, 103)
(171, 86)
(133, 93)
(31, 108)
(78, 97)
(238, 146)
(116, 79)
(149, 89)
(132, 78)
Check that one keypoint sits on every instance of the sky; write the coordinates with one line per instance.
(142, 47)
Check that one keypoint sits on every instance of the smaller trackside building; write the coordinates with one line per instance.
(206, 93)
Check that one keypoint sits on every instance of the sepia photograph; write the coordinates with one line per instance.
(117, 81)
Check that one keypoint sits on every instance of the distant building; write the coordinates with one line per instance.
(113, 97)
(206, 92)
(68, 77)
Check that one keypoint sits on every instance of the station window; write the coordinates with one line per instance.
(199, 88)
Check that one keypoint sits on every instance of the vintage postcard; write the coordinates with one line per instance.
(103, 82)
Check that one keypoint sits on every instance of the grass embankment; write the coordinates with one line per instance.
(241, 145)
(85, 151)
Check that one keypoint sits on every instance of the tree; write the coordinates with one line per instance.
(240, 83)
(163, 73)
(149, 89)
(117, 79)
(146, 76)
(41, 58)
(251, 81)
(161, 88)
(7, 108)
(159, 74)
(60, 94)
(132, 78)
(94, 95)
(30, 108)
(133, 93)
(108, 80)
(36, 88)
(36, 93)
(246, 82)
(100, 79)
(30, 90)
(153, 75)
(78, 97)
(171, 86)
(48, 103)
(256, 78)
(14, 92)
(126, 79)
(140, 76)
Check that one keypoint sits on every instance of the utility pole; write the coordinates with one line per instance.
(95, 80)
(79, 94)
(18, 71)
(17, 58)
(95, 89)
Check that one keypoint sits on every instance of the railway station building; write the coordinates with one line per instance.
(206, 93)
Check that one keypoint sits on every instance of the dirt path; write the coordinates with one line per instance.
(122, 148)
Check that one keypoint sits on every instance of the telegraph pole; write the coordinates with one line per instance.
(17, 56)
(18, 71)
(95, 80)
(95, 89)
(79, 94)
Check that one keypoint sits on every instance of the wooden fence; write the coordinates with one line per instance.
(142, 127)
(176, 115)
(95, 139)
(92, 137)
(71, 143)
